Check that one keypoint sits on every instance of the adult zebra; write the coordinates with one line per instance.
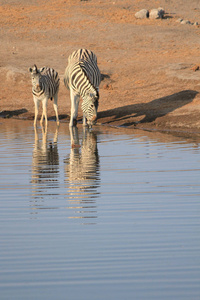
(45, 85)
(82, 77)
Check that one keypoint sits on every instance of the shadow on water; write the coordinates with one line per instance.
(152, 110)
(82, 173)
(45, 165)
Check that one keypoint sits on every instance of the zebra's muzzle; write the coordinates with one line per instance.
(37, 88)
(92, 121)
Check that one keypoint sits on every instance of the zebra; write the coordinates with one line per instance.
(82, 166)
(45, 85)
(45, 161)
(82, 77)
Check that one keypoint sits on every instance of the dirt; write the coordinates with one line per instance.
(151, 74)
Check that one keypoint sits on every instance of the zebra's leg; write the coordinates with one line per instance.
(74, 107)
(55, 105)
(44, 111)
(36, 101)
(74, 137)
(84, 121)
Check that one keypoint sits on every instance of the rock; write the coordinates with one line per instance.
(179, 20)
(196, 24)
(154, 14)
(161, 11)
(195, 68)
(107, 87)
(157, 13)
(142, 14)
(184, 22)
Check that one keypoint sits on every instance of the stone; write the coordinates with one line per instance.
(179, 20)
(184, 22)
(107, 87)
(157, 13)
(195, 68)
(161, 11)
(142, 14)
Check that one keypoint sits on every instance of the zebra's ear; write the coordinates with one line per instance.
(92, 96)
(33, 69)
(95, 98)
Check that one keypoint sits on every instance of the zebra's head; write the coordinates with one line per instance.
(90, 106)
(35, 76)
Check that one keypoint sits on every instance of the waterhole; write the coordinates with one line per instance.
(101, 214)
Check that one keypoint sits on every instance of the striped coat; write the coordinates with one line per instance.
(49, 82)
(45, 85)
(82, 77)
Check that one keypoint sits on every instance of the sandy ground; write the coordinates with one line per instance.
(150, 79)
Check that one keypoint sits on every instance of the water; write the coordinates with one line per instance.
(115, 217)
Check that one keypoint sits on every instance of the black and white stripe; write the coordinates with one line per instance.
(82, 77)
(45, 82)
(45, 85)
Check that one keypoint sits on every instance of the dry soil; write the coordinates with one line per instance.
(150, 67)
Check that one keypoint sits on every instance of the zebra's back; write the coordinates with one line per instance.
(50, 81)
(82, 55)
(82, 63)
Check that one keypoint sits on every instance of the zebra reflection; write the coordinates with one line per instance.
(45, 164)
(82, 173)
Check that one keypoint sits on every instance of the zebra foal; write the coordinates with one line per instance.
(45, 85)
(82, 77)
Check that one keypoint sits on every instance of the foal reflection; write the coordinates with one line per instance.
(82, 173)
(45, 164)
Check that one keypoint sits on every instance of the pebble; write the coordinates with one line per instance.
(157, 13)
(179, 20)
(108, 87)
(142, 14)
(161, 10)
(183, 22)
(186, 22)
(195, 68)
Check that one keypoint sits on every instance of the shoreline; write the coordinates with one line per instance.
(178, 132)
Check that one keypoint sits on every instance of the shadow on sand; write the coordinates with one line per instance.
(12, 113)
(149, 111)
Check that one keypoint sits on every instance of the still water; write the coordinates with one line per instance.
(115, 217)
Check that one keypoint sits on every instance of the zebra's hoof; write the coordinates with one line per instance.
(75, 146)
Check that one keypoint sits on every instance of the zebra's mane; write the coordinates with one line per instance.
(93, 87)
